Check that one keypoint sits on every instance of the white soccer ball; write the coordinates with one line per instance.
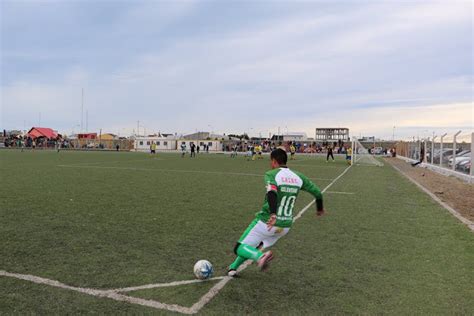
(203, 269)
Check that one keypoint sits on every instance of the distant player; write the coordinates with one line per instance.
(349, 155)
(183, 149)
(234, 151)
(153, 148)
(276, 216)
(260, 152)
(249, 152)
(329, 148)
(256, 149)
(292, 151)
(254, 152)
(193, 150)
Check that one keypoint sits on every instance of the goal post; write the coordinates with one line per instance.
(361, 155)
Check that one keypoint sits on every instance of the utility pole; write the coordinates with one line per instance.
(82, 110)
(87, 121)
(138, 128)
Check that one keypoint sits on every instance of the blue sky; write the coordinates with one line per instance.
(238, 66)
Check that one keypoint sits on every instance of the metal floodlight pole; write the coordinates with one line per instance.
(454, 150)
(441, 150)
(432, 147)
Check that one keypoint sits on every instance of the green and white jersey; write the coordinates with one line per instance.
(287, 184)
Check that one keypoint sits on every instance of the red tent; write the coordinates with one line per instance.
(36, 132)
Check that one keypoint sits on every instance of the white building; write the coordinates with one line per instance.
(332, 134)
(143, 143)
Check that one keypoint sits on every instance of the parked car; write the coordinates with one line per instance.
(462, 156)
(464, 166)
(377, 151)
(459, 152)
(437, 155)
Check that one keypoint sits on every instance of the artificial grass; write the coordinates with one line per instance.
(386, 249)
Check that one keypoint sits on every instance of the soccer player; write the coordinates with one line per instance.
(292, 151)
(349, 155)
(183, 149)
(193, 150)
(153, 148)
(254, 152)
(234, 151)
(329, 148)
(276, 216)
(249, 152)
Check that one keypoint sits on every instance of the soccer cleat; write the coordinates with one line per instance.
(232, 273)
(264, 260)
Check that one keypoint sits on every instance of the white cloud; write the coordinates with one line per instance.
(360, 68)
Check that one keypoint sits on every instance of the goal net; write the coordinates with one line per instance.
(361, 155)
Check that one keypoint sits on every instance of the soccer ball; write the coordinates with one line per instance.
(203, 269)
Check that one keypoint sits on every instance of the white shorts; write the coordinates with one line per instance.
(258, 232)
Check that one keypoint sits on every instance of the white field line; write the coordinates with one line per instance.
(113, 161)
(290, 164)
(174, 170)
(220, 285)
(156, 285)
(451, 210)
(115, 293)
(335, 192)
(112, 294)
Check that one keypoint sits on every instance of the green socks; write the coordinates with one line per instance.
(245, 252)
(237, 262)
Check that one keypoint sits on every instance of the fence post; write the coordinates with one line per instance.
(441, 150)
(424, 149)
(454, 150)
(432, 147)
(354, 151)
(472, 157)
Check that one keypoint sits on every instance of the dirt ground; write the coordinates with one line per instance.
(453, 191)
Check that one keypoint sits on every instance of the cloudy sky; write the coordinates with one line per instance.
(238, 66)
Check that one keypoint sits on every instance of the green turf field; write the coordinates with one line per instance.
(108, 220)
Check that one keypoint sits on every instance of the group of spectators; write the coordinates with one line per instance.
(298, 147)
(29, 142)
(268, 146)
